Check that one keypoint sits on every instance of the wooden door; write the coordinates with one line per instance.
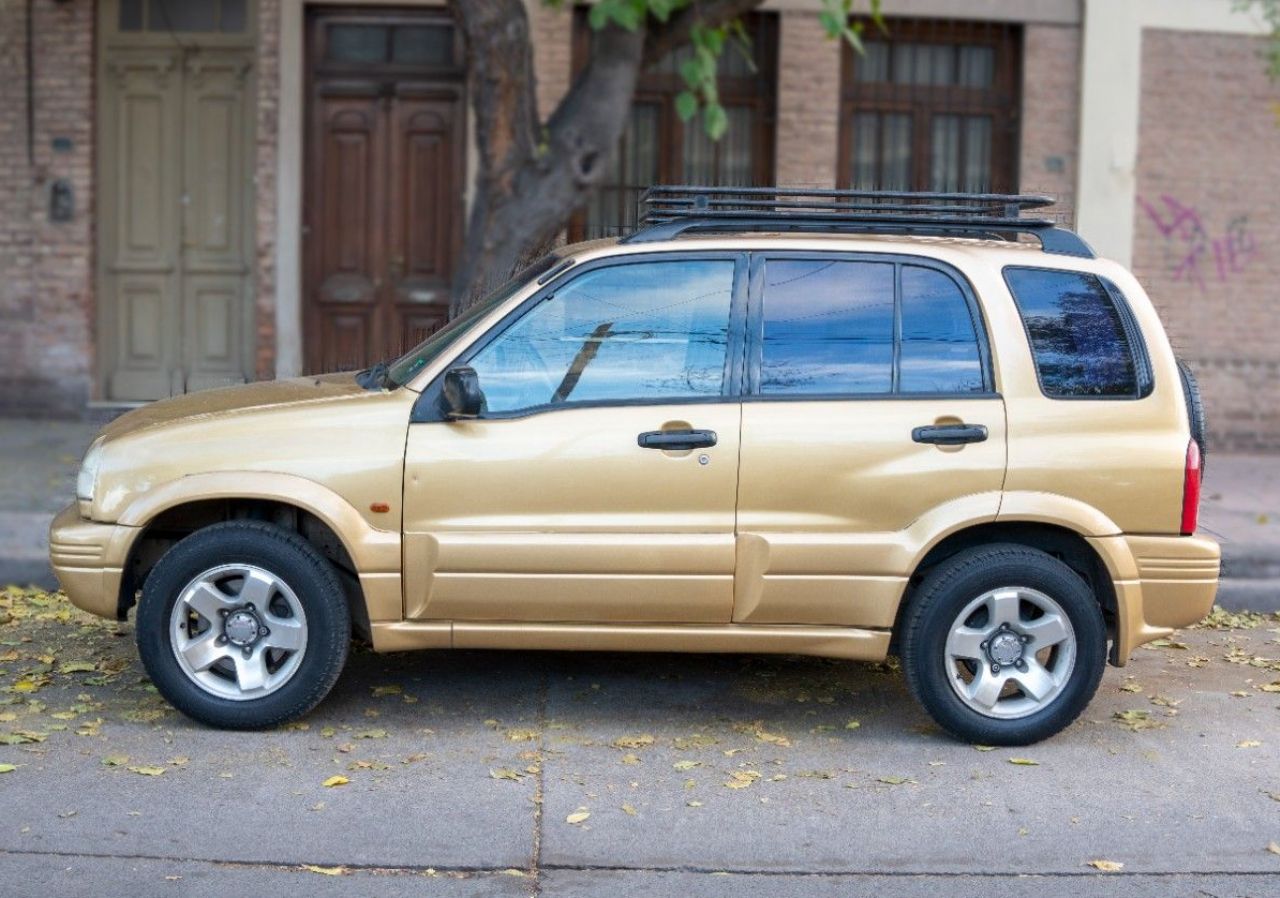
(383, 207)
(175, 238)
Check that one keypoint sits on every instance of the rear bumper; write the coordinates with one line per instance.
(1162, 583)
(88, 559)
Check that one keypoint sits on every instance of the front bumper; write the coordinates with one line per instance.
(1161, 582)
(88, 559)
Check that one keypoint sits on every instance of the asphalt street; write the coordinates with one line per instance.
(592, 774)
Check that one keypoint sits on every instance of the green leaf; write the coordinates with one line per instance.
(686, 105)
(716, 121)
(8, 768)
(691, 72)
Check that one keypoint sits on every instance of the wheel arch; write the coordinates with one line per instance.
(176, 510)
(1065, 543)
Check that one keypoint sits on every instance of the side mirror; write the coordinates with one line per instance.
(462, 395)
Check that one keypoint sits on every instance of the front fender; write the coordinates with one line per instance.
(371, 550)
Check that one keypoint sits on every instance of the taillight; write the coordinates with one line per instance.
(1191, 489)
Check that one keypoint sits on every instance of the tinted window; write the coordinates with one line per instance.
(828, 327)
(939, 351)
(1077, 334)
(652, 330)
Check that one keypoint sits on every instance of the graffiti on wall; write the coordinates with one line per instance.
(1195, 253)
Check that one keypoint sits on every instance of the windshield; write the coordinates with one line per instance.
(403, 369)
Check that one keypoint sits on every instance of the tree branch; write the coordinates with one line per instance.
(674, 33)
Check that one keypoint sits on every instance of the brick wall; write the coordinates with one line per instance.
(46, 278)
(264, 179)
(1207, 224)
(808, 101)
(552, 34)
(1050, 114)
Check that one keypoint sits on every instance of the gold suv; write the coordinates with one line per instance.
(832, 424)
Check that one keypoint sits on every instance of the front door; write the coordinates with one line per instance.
(175, 233)
(871, 422)
(599, 483)
(384, 181)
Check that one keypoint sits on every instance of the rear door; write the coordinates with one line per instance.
(871, 419)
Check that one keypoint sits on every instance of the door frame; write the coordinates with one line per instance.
(290, 154)
(108, 37)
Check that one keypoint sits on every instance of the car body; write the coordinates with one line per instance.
(799, 517)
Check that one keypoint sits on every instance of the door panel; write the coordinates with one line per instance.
(561, 516)
(422, 239)
(835, 496)
(347, 215)
(215, 253)
(141, 238)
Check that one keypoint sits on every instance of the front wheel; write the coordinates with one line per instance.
(243, 625)
(1004, 645)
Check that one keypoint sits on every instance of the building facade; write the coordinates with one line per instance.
(204, 192)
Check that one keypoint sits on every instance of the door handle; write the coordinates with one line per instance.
(676, 439)
(950, 434)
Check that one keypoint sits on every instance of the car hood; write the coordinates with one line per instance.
(231, 400)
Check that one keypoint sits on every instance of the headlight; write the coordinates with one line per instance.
(88, 477)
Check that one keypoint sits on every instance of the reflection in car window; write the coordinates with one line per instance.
(828, 327)
(1077, 335)
(939, 352)
(413, 361)
(647, 330)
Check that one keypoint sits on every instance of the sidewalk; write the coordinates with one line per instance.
(38, 461)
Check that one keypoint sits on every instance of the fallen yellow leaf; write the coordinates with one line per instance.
(630, 809)
(578, 816)
(148, 771)
(1248, 743)
(638, 741)
(1107, 866)
(8, 768)
(1273, 847)
(1024, 762)
(324, 871)
(336, 780)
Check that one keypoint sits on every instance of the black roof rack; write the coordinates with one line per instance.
(667, 211)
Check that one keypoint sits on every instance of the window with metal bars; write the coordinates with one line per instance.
(931, 106)
(658, 148)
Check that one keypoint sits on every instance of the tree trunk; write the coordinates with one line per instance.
(532, 177)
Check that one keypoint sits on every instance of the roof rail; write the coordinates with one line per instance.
(668, 211)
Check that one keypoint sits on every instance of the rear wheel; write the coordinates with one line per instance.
(243, 625)
(1004, 645)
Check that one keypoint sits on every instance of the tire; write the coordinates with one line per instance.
(961, 602)
(1195, 410)
(262, 631)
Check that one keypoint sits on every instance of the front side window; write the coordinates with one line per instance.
(1077, 333)
(839, 327)
(636, 332)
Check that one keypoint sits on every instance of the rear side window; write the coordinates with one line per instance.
(842, 327)
(1083, 340)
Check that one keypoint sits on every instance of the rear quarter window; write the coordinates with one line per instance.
(1083, 337)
